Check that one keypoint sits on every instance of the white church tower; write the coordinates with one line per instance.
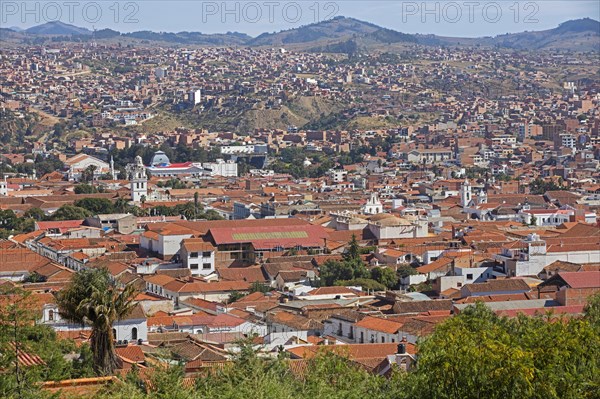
(373, 205)
(3, 188)
(465, 193)
(138, 180)
(482, 197)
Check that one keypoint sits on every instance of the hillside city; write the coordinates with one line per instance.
(190, 221)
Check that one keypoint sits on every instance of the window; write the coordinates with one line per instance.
(194, 266)
(206, 266)
(470, 276)
(206, 254)
(51, 315)
(459, 284)
(351, 333)
(372, 338)
(114, 333)
(362, 337)
(134, 334)
(193, 254)
(340, 331)
(383, 340)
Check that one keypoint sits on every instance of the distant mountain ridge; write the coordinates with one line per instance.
(57, 28)
(343, 34)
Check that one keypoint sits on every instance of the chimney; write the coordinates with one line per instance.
(401, 348)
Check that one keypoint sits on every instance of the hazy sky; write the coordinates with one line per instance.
(452, 18)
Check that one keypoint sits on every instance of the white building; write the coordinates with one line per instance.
(195, 96)
(3, 187)
(138, 180)
(221, 168)
(529, 257)
(198, 256)
(80, 163)
(373, 205)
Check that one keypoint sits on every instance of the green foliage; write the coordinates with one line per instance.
(480, 355)
(385, 276)
(405, 271)
(96, 205)
(234, 296)
(189, 210)
(18, 324)
(92, 297)
(44, 165)
(85, 189)
(172, 183)
(291, 161)
(70, 212)
(540, 186)
(11, 224)
(257, 286)
(592, 310)
(34, 213)
(350, 268)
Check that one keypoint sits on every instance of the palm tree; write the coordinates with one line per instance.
(121, 205)
(196, 200)
(101, 310)
(93, 298)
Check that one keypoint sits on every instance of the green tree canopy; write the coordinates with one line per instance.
(385, 276)
(93, 298)
(96, 205)
(480, 355)
(70, 212)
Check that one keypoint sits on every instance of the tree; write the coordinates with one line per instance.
(480, 355)
(258, 286)
(87, 175)
(333, 270)
(385, 276)
(234, 296)
(353, 251)
(84, 188)
(93, 298)
(96, 205)
(70, 212)
(34, 213)
(592, 310)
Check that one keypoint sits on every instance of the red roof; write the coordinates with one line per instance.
(175, 165)
(581, 279)
(62, 225)
(268, 237)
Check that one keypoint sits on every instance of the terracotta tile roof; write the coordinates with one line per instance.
(292, 320)
(379, 324)
(333, 291)
(513, 284)
(251, 274)
(581, 279)
(131, 352)
(351, 351)
(159, 279)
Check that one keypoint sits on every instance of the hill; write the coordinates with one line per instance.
(581, 34)
(344, 35)
(576, 35)
(197, 38)
(57, 28)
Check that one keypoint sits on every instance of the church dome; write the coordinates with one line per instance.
(160, 158)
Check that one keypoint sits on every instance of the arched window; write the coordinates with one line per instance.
(134, 335)
(114, 333)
